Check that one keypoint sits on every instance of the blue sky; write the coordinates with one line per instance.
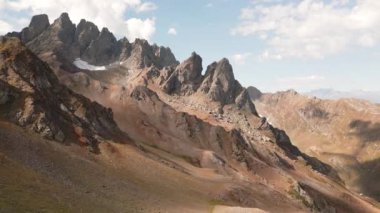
(272, 44)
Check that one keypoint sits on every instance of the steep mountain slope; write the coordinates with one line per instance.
(32, 97)
(121, 177)
(195, 142)
(343, 133)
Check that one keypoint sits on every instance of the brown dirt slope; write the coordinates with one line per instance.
(343, 133)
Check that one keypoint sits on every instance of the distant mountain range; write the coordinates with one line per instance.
(373, 96)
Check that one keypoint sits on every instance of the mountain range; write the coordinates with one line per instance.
(90, 123)
(343, 133)
(373, 96)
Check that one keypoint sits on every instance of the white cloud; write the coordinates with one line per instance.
(137, 28)
(5, 27)
(110, 14)
(172, 31)
(311, 28)
(240, 58)
(147, 6)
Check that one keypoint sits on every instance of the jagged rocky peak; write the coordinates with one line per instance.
(141, 55)
(105, 34)
(85, 33)
(65, 28)
(164, 55)
(219, 82)
(63, 20)
(103, 50)
(191, 68)
(243, 101)
(69, 42)
(186, 77)
(37, 25)
(125, 48)
(220, 85)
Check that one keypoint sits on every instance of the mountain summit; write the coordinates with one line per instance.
(68, 42)
(164, 136)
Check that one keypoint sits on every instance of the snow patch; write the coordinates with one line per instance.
(86, 66)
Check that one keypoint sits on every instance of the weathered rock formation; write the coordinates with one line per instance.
(68, 42)
(32, 97)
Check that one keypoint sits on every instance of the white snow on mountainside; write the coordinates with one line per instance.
(86, 66)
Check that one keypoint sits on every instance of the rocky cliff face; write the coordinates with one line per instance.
(218, 84)
(85, 33)
(32, 97)
(102, 50)
(37, 25)
(186, 78)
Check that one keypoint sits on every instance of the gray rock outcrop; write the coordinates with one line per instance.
(68, 42)
(37, 25)
(186, 77)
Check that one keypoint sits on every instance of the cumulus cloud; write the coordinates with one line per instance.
(5, 27)
(137, 28)
(311, 28)
(172, 31)
(240, 58)
(109, 13)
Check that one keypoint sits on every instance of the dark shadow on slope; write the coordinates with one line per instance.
(367, 131)
(314, 111)
(369, 177)
(283, 141)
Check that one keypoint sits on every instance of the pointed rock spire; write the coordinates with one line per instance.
(140, 55)
(85, 33)
(103, 50)
(37, 25)
(191, 69)
(164, 56)
(65, 28)
(186, 77)
(219, 82)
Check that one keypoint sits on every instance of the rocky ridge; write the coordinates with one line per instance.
(218, 84)
(343, 133)
(208, 120)
(66, 41)
(32, 97)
